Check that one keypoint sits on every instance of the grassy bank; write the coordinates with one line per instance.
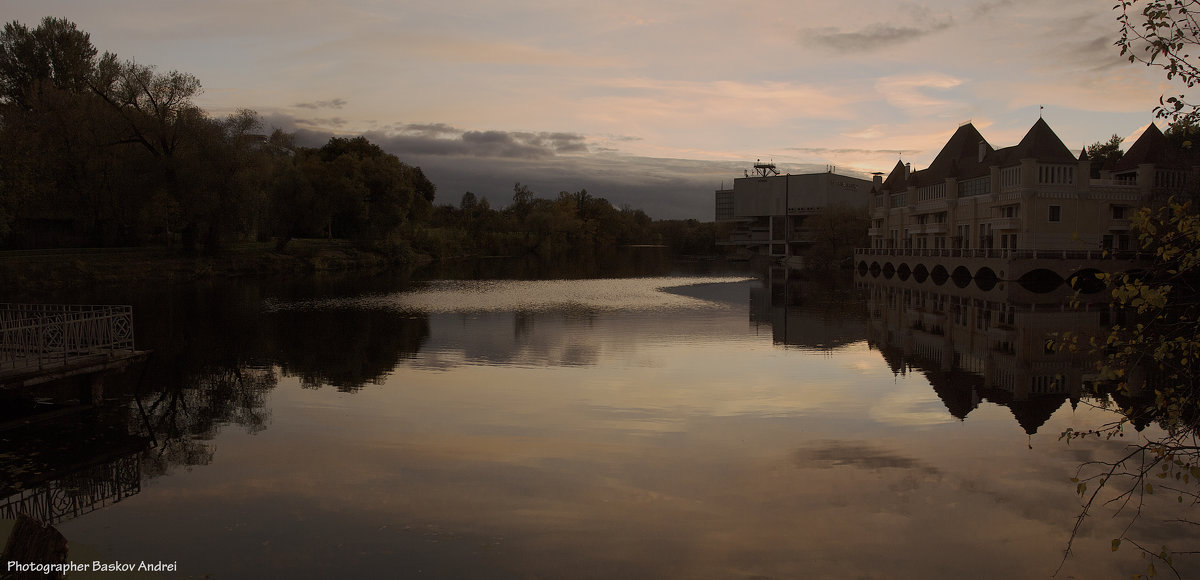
(64, 268)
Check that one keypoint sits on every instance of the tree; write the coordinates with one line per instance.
(366, 194)
(55, 53)
(1164, 34)
(468, 202)
(1102, 154)
(1149, 373)
(834, 231)
(522, 201)
(1148, 362)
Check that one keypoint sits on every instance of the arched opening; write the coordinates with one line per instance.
(961, 277)
(862, 268)
(986, 279)
(903, 272)
(889, 270)
(875, 269)
(920, 273)
(939, 275)
(1040, 281)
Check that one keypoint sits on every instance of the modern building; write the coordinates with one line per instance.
(770, 209)
(980, 207)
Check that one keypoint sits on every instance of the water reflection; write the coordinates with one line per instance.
(666, 425)
(1000, 345)
(821, 314)
(69, 464)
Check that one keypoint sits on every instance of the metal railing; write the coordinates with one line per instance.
(41, 336)
(78, 493)
(1006, 254)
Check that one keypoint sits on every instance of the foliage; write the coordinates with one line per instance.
(835, 231)
(1150, 362)
(1103, 153)
(1164, 34)
(98, 151)
(572, 223)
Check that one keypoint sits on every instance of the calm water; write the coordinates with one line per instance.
(677, 423)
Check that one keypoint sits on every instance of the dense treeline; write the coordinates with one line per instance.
(99, 151)
(96, 151)
(572, 222)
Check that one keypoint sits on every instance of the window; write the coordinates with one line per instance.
(1118, 212)
(1056, 213)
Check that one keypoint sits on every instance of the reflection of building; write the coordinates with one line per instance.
(996, 345)
(770, 209)
(805, 314)
(979, 207)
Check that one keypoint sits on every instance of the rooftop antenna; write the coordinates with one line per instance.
(1040, 109)
(765, 169)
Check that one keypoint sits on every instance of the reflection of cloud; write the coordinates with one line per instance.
(912, 404)
(856, 454)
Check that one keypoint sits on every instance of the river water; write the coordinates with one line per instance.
(668, 421)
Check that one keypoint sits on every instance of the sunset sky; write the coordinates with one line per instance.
(651, 104)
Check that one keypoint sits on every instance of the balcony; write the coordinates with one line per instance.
(1008, 223)
(1118, 225)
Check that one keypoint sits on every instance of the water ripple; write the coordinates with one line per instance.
(605, 294)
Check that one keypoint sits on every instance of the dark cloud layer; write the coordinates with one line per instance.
(488, 163)
(441, 139)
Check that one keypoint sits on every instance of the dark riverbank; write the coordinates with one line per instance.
(33, 270)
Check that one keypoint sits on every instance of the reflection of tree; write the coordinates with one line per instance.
(345, 348)
(185, 418)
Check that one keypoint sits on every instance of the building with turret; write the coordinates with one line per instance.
(979, 207)
(1034, 195)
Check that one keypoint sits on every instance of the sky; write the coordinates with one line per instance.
(652, 104)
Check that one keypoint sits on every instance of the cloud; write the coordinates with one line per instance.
(911, 92)
(875, 36)
(654, 103)
(330, 104)
(321, 122)
(840, 151)
(444, 139)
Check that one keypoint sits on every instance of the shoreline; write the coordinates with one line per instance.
(58, 269)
